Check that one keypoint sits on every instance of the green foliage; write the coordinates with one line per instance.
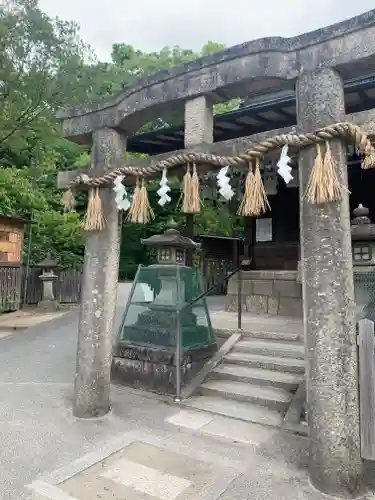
(39, 60)
(59, 234)
(18, 196)
(45, 65)
(52, 231)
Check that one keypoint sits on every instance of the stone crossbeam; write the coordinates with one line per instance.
(364, 119)
(274, 64)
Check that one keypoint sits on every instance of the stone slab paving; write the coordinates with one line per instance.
(144, 449)
(223, 427)
(141, 466)
(162, 464)
(226, 320)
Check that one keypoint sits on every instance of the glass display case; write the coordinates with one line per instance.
(151, 315)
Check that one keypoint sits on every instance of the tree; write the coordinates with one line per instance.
(45, 65)
(39, 58)
(22, 194)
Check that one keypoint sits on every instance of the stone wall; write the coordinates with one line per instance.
(267, 292)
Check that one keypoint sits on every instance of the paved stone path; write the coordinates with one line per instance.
(26, 318)
(144, 449)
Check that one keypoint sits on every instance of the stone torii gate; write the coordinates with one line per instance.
(314, 64)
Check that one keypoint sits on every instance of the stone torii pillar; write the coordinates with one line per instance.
(99, 288)
(328, 301)
(199, 131)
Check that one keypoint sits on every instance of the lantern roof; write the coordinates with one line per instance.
(48, 262)
(171, 238)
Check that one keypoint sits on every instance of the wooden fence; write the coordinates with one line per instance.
(366, 352)
(16, 291)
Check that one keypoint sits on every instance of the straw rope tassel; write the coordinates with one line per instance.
(331, 181)
(244, 208)
(94, 218)
(195, 206)
(68, 200)
(259, 201)
(187, 188)
(314, 190)
(134, 207)
(145, 213)
(324, 185)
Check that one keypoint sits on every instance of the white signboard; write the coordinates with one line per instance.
(264, 229)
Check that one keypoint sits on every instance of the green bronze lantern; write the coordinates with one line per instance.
(162, 313)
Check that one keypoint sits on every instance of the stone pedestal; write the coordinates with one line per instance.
(147, 358)
(267, 292)
(99, 289)
(48, 302)
(152, 368)
(329, 312)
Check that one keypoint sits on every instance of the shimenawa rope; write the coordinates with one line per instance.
(324, 185)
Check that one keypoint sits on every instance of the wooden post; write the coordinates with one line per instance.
(366, 343)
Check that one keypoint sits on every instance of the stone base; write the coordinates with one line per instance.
(153, 368)
(48, 306)
(267, 292)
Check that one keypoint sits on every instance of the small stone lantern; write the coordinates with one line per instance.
(363, 250)
(171, 247)
(48, 276)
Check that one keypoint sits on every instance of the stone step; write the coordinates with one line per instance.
(263, 335)
(235, 409)
(290, 365)
(271, 348)
(271, 397)
(257, 376)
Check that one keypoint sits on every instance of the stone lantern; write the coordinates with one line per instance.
(48, 276)
(363, 250)
(171, 249)
(145, 352)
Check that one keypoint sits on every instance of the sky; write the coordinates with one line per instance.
(150, 25)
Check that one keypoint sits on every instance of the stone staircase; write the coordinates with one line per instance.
(256, 380)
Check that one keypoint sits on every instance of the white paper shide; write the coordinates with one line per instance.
(283, 168)
(164, 189)
(121, 199)
(223, 181)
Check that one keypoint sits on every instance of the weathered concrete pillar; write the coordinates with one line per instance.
(329, 316)
(199, 130)
(99, 289)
